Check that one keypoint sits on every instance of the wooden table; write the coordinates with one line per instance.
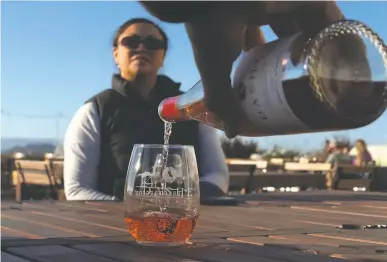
(269, 227)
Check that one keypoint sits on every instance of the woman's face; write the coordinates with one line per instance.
(140, 51)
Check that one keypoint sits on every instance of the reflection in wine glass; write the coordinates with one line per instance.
(161, 202)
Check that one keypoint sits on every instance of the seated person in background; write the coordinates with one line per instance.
(363, 156)
(322, 155)
(339, 156)
(345, 150)
(101, 135)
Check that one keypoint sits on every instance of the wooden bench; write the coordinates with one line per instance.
(307, 167)
(32, 180)
(241, 172)
(249, 175)
(55, 167)
(276, 164)
(7, 165)
(283, 180)
(245, 162)
(379, 182)
(244, 174)
(347, 177)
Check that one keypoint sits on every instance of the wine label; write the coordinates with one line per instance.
(258, 79)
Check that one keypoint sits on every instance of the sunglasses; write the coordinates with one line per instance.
(150, 43)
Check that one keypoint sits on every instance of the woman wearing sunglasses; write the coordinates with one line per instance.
(101, 135)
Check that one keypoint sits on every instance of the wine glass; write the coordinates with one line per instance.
(162, 195)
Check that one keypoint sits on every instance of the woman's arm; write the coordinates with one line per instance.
(81, 156)
(213, 167)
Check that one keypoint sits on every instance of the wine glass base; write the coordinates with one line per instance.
(160, 244)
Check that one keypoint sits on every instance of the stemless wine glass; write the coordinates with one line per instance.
(162, 195)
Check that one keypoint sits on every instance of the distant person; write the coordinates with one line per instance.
(101, 135)
(363, 156)
(322, 155)
(339, 156)
(346, 150)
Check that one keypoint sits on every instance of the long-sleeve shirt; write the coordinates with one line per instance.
(82, 155)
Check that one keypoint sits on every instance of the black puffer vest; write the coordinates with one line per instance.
(127, 119)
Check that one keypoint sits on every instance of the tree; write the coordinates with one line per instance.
(343, 141)
(278, 152)
(237, 148)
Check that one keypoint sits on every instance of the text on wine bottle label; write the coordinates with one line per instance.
(259, 81)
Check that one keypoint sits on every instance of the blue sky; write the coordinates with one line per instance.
(55, 55)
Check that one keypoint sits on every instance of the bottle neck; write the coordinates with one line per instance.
(193, 96)
(168, 110)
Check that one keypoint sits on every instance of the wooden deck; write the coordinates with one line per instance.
(273, 227)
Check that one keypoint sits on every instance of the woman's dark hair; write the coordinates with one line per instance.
(133, 21)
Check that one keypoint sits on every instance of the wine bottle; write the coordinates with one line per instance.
(336, 80)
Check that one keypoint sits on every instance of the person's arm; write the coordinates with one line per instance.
(331, 159)
(213, 167)
(81, 156)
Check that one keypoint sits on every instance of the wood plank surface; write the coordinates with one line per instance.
(124, 252)
(5, 257)
(272, 227)
(57, 254)
(293, 166)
